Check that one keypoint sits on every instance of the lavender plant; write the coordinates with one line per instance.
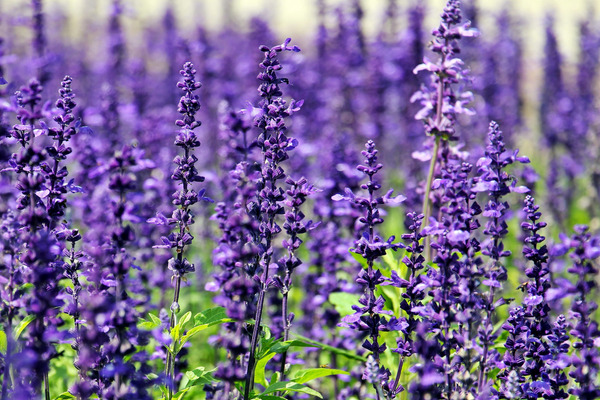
(85, 302)
(442, 100)
(185, 174)
(274, 144)
(370, 315)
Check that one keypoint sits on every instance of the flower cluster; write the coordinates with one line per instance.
(370, 317)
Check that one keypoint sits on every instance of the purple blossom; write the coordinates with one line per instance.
(369, 316)
(274, 145)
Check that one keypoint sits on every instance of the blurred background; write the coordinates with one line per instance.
(533, 68)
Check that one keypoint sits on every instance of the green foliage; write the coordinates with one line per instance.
(307, 375)
(3, 342)
(65, 396)
(343, 302)
(20, 327)
(199, 376)
(334, 350)
(286, 387)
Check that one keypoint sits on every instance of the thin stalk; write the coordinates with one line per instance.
(170, 368)
(258, 317)
(46, 386)
(261, 295)
(286, 326)
(488, 320)
(398, 373)
(255, 333)
(170, 364)
(6, 381)
(447, 334)
(336, 382)
(426, 200)
(8, 329)
(438, 120)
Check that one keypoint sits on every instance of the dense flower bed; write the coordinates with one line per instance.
(254, 255)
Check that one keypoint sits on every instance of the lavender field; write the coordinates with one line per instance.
(226, 213)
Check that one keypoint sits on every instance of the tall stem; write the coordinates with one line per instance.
(255, 333)
(427, 200)
(6, 376)
(46, 387)
(439, 114)
(170, 367)
(286, 326)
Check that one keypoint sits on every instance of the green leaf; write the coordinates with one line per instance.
(307, 375)
(146, 325)
(3, 342)
(149, 325)
(276, 377)
(265, 346)
(65, 396)
(290, 387)
(199, 376)
(361, 260)
(155, 319)
(282, 347)
(267, 397)
(211, 316)
(175, 333)
(179, 395)
(343, 302)
(195, 330)
(390, 261)
(259, 372)
(334, 350)
(184, 319)
(22, 325)
(392, 294)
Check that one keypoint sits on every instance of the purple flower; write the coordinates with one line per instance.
(369, 316)
(274, 145)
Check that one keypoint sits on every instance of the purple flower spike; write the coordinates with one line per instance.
(369, 316)
(585, 360)
(185, 175)
(274, 145)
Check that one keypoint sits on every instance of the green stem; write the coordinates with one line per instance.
(170, 368)
(426, 199)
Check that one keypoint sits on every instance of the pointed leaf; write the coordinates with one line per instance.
(343, 302)
(307, 375)
(22, 325)
(334, 350)
(210, 316)
(3, 342)
(65, 396)
(199, 376)
(259, 374)
(184, 319)
(179, 395)
(290, 387)
(282, 347)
